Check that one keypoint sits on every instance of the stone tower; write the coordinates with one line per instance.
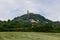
(28, 14)
(27, 11)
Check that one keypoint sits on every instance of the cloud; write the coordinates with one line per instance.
(52, 10)
(12, 8)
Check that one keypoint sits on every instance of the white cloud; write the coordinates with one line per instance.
(12, 8)
(52, 10)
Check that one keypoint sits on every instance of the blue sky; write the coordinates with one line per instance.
(12, 8)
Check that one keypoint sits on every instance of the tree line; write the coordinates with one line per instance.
(27, 26)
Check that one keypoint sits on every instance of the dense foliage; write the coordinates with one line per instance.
(23, 23)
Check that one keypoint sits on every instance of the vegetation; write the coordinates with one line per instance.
(29, 36)
(24, 23)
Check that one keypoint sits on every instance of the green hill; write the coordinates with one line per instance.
(30, 22)
(37, 21)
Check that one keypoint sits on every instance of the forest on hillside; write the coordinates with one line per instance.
(31, 23)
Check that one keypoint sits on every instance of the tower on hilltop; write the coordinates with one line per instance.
(28, 14)
(27, 11)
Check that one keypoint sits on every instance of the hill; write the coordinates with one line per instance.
(30, 22)
(34, 21)
(37, 20)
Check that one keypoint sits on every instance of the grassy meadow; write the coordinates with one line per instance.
(29, 36)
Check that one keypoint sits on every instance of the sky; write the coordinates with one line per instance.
(10, 9)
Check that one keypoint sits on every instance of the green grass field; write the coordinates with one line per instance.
(29, 36)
